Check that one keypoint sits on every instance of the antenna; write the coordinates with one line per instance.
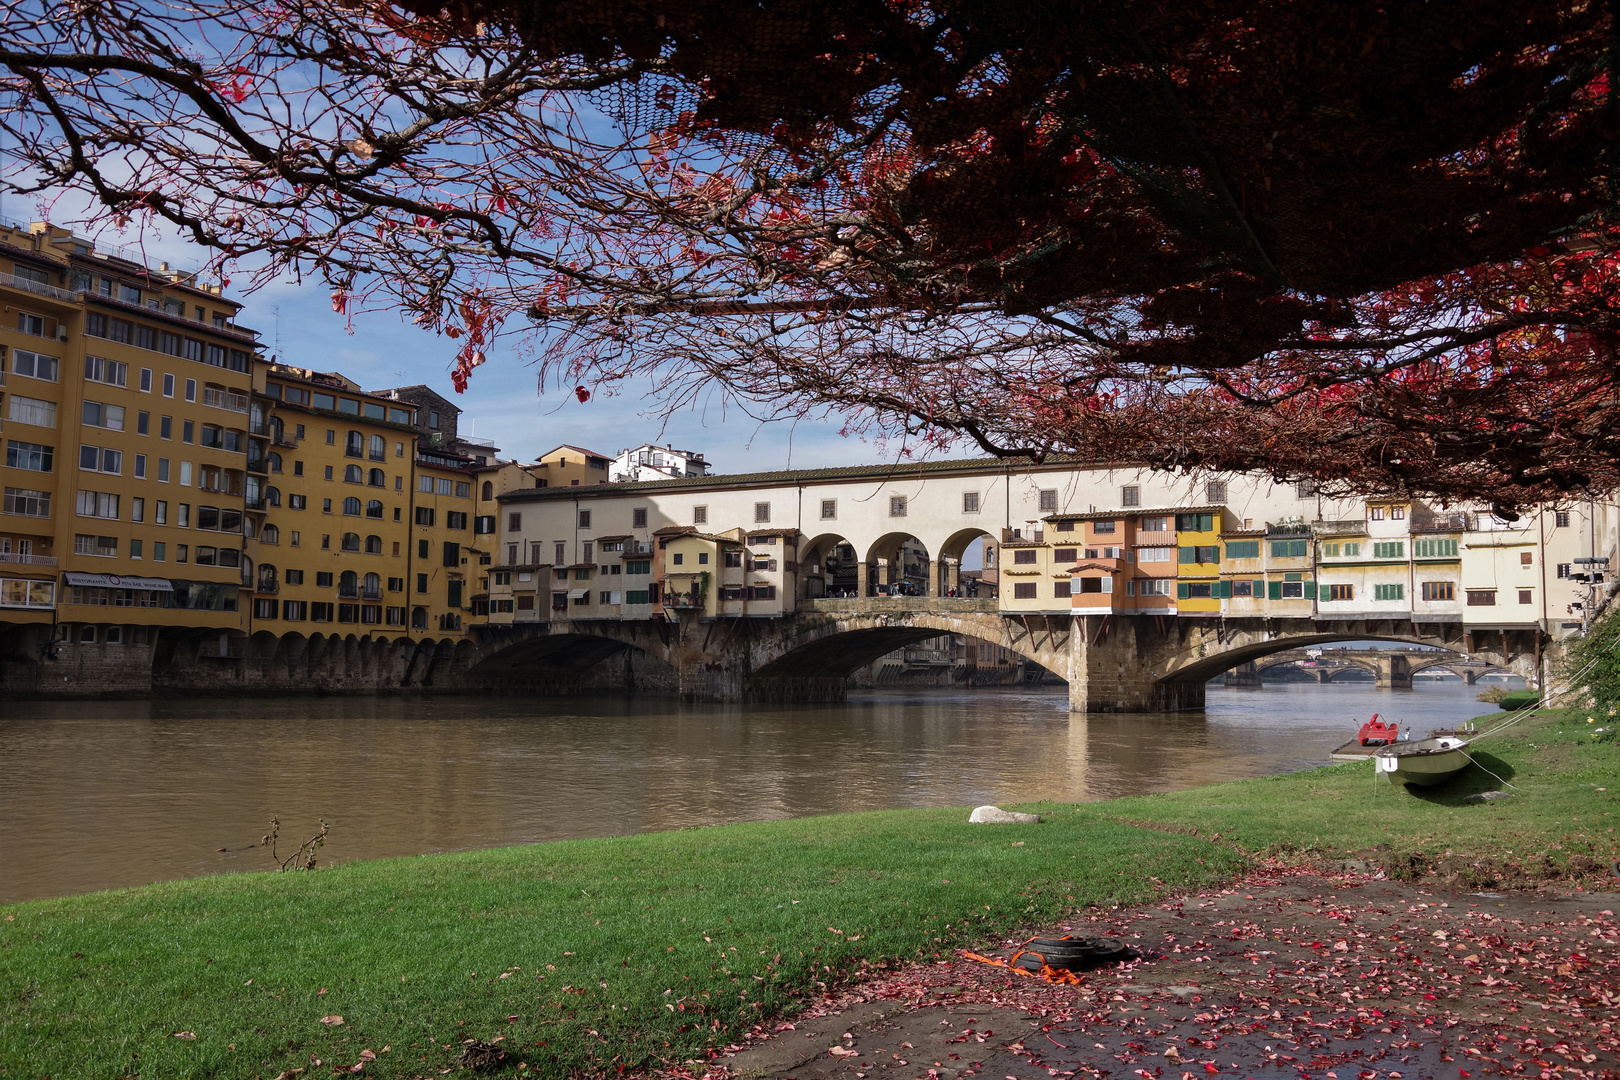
(275, 311)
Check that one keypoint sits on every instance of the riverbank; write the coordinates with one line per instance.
(583, 957)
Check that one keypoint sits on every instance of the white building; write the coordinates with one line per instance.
(651, 462)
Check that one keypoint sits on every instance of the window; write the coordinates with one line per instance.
(27, 502)
(1525, 597)
(1242, 588)
(191, 388)
(1024, 590)
(453, 519)
(98, 504)
(99, 415)
(379, 448)
(35, 365)
(27, 410)
(1375, 513)
(1096, 526)
(1199, 554)
(1561, 519)
(110, 372)
(897, 506)
(1158, 554)
(297, 502)
(29, 323)
(638, 517)
(1290, 590)
(762, 513)
(350, 542)
(1288, 549)
(446, 486)
(700, 515)
(100, 459)
(374, 545)
(1024, 557)
(188, 431)
(1065, 554)
(677, 559)
(376, 478)
(452, 553)
(374, 508)
(25, 455)
(1215, 491)
(351, 506)
(1563, 569)
(1389, 549)
(1130, 495)
(584, 519)
(1061, 589)
(1389, 592)
(421, 583)
(422, 549)
(638, 566)
(1434, 549)
(970, 503)
(1526, 558)
(1243, 549)
(352, 474)
(1352, 550)
(1439, 590)
(104, 546)
(1189, 522)
(1397, 513)
(1049, 499)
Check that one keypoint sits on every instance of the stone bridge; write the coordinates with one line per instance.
(1389, 667)
(1112, 663)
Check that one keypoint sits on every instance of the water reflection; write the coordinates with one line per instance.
(105, 794)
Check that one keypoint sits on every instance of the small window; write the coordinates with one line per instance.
(1481, 597)
(1049, 499)
(1525, 597)
(829, 509)
(1439, 590)
(638, 517)
(1526, 558)
(897, 506)
(1561, 519)
(584, 519)
(970, 502)
(1215, 491)
(1024, 557)
(514, 522)
(1024, 590)
(1130, 495)
(762, 513)
(700, 515)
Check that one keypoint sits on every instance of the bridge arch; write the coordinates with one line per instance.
(896, 562)
(835, 647)
(1252, 646)
(568, 660)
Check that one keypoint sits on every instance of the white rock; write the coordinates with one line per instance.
(995, 815)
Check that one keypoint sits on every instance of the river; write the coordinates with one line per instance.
(104, 794)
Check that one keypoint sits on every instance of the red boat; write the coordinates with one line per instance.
(1377, 733)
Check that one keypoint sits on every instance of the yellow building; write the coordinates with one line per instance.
(570, 466)
(333, 542)
(124, 412)
(445, 562)
(1198, 555)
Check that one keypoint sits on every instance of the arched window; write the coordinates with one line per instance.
(273, 461)
(377, 479)
(351, 506)
(419, 618)
(353, 474)
(379, 448)
(348, 583)
(270, 535)
(356, 445)
(373, 587)
(373, 545)
(267, 578)
(351, 542)
(489, 490)
(374, 508)
(272, 496)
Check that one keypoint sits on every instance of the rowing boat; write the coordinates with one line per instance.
(1424, 762)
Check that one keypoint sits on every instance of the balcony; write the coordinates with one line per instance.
(267, 587)
(39, 288)
(450, 621)
(28, 560)
(348, 592)
(1441, 523)
(1339, 528)
(256, 463)
(371, 594)
(224, 399)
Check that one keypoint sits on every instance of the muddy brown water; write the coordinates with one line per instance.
(104, 794)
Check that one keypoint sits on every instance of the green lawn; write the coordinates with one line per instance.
(589, 955)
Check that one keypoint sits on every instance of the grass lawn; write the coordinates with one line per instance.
(590, 955)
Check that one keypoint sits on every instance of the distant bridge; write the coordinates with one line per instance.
(1389, 667)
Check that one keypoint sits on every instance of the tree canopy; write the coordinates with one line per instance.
(1369, 245)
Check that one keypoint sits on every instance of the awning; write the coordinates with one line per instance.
(575, 594)
(120, 581)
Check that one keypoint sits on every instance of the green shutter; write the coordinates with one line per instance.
(1181, 589)
(1274, 590)
(1310, 590)
(1188, 554)
(1225, 588)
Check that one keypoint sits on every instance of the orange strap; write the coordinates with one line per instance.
(1047, 973)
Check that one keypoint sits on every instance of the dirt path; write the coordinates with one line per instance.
(1282, 975)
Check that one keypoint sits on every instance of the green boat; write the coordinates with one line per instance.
(1424, 762)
